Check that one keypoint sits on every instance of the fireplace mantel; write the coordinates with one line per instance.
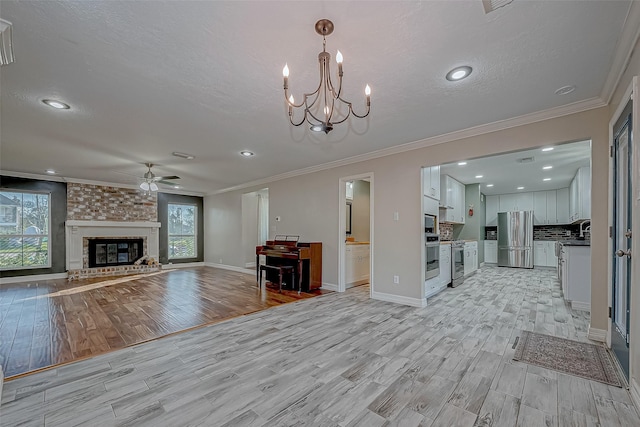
(77, 230)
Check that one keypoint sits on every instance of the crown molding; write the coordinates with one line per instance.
(624, 49)
(57, 178)
(552, 113)
(53, 178)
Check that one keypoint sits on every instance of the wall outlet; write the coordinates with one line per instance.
(396, 216)
(396, 279)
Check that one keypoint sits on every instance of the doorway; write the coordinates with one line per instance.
(355, 262)
(621, 237)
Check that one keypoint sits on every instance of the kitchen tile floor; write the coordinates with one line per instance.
(340, 360)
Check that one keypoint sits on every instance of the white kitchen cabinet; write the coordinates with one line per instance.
(491, 251)
(437, 284)
(576, 276)
(580, 195)
(431, 182)
(492, 209)
(357, 259)
(544, 253)
(470, 257)
(562, 206)
(445, 264)
(544, 207)
(452, 200)
(516, 202)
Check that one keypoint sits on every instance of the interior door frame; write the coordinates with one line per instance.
(628, 95)
(342, 227)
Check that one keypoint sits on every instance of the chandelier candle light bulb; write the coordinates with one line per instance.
(326, 93)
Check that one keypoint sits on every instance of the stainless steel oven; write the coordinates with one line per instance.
(432, 256)
(457, 263)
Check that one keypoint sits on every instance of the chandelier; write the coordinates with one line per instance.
(322, 107)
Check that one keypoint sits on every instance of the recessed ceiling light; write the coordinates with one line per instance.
(520, 188)
(459, 73)
(547, 149)
(478, 176)
(547, 179)
(51, 171)
(489, 185)
(56, 104)
(246, 153)
(547, 167)
(564, 90)
(462, 163)
(184, 155)
(176, 187)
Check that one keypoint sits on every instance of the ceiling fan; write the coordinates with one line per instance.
(150, 179)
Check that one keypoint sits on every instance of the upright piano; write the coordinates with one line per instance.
(305, 257)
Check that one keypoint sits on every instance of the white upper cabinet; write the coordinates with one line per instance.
(580, 195)
(544, 207)
(431, 182)
(549, 207)
(562, 206)
(516, 202)
(492, 207)
(452, 200)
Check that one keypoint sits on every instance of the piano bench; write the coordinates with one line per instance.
(281, 269)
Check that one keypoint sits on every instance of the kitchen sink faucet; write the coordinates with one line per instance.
(587, 229)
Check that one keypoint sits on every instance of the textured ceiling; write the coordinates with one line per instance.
(145, 79)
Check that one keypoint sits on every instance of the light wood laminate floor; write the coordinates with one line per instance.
(340, 360)
(52, 322)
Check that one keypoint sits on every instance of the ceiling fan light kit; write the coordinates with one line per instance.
(150, 179)
(321, 107)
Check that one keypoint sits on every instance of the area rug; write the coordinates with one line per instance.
(572, 357)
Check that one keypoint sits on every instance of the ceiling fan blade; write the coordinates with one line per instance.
(173, 184)
(160, 178)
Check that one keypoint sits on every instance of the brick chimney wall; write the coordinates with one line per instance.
(90, 202)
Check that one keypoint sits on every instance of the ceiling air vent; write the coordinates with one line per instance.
(526, 160)
(491, 5)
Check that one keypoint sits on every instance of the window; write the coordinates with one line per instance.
(182, 231)
(24, 230)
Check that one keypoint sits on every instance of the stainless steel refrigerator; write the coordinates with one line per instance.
(515, 239)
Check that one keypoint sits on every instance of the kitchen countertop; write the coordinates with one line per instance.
(357, 243)
(575, 242)
(445, 242)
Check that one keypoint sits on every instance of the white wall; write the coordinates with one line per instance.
(308, 204)
(360, 211)
(249, 226)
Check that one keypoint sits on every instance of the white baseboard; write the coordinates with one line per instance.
(398, 299)
(599, 335)
(583, 306)
(230, 267)
(634, 391)
(169, 266)
(32, 278)
(329, 287)
(250, 264)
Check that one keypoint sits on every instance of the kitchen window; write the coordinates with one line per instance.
(182, 231)
(24, 230)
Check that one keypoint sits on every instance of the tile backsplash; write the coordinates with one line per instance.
(446, 231)
(545, 232)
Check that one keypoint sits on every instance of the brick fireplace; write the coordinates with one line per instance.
(114, 213)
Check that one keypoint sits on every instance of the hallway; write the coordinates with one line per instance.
(341, 360)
